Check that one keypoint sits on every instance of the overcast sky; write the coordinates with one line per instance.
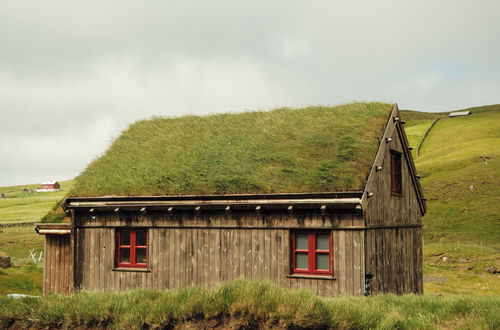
(73, 75)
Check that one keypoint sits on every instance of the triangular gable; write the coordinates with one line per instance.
(394, 127)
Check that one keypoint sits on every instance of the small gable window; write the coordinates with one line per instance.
(311, 253)
(396, 181)
(132, 248)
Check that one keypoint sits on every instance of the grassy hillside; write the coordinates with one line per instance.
(242, 305)
(284, 150)
(460, 167)
(26, 275)
(19, 206)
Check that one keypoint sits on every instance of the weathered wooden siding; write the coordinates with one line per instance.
(187, 250)
(58, 270)
(385, 208)
(394, 255)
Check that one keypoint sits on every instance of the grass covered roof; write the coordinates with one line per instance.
(310, 149)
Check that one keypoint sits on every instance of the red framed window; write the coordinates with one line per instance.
(396, 185)
(312, 253)
(132, 248)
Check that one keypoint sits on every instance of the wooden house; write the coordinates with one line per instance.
(459, 113)
(338, 211)
(49, 186)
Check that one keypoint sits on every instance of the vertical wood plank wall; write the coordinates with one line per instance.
(188, 251)
(394, 255)
(58, 270)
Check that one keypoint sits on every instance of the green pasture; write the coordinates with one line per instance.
(26, 275)
(20, 206)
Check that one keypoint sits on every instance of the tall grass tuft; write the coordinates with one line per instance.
(251, 304)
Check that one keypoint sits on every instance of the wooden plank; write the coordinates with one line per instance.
(336, 260)
(112, 287)
(103, 256)
(255, 253)
(268, 253)
(349, 262)
(156, 259)
(217, 256)
(190, 257)
(166, 250)
(342, 263)
(182, 252)
(261, 268)
(357, 261)
(177, 258)
(96, 251)
(206, 260)
(248, 253)
(226, 262)
(211, 258)
(280, 258)
(273, 253)
(197, 263)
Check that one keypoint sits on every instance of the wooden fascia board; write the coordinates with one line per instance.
(379, 157)
(53, 228)
(411, 166)
(313, 203)
(273, 196)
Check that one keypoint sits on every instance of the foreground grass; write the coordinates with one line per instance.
(257, 304)
(461, 268)
(25, 276)
(19, 206)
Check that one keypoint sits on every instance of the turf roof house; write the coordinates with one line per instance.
(322, 198)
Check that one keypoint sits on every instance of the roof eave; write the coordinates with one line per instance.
(323, 201)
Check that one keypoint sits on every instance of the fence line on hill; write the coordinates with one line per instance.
(16, 224)
(425, 135)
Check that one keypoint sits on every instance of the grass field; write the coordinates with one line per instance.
(460, 167)
(19, 206)
(26, 275)
(242, 304)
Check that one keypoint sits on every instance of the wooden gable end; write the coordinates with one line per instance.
(379, 204)
(393, 239)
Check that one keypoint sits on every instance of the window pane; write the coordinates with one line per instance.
(322, 262)
(301, 241)
(124, 238)
(322, 242)
(141, 238)
(140, 255)
(125, 256)
(302, 261)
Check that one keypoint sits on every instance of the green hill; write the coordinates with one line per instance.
(284, 150)
(459, 162)
(19, 205)
(22, 204)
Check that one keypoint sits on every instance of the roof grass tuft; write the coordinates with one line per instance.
(310, 149)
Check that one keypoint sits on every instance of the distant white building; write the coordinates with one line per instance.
(49, 186)
(459, 113)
